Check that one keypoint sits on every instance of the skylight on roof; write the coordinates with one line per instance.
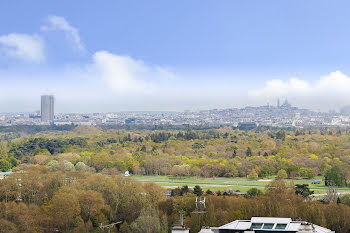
(268, 225)
(281, 226)
(257, 225)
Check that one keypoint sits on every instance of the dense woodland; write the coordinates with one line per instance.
(67, 180)
(39, 200)
(223, 152)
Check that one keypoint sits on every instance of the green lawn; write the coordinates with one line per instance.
(222, 184)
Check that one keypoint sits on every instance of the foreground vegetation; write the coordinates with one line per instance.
(38, 200)
(71, 179)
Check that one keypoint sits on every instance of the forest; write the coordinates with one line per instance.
(39, 200)
(71, 179)
(223, 152)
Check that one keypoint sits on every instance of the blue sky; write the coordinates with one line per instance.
(173, 55)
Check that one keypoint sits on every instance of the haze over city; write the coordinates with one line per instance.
(186, 116)
(162, 56)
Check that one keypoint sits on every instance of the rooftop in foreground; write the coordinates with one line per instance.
(270, 224)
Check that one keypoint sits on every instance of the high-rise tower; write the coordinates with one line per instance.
(47, 108)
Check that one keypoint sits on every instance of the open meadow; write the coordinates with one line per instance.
(222, 184)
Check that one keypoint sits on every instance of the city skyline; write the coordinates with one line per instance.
(278, 103)
(214, 56)
(283, 114)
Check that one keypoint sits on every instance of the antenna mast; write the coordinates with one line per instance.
(200, 206)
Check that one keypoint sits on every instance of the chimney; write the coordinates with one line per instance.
(180, 228)
(181, 219)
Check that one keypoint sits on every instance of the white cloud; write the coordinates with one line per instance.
(72, 34)
(124, 74)
(109, 83)
(330, 91)
(22, 46)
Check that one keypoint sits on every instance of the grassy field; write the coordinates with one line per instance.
(222, 184)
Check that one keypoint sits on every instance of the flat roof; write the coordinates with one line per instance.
(272, 224)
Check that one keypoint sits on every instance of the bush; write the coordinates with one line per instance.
(345, 199)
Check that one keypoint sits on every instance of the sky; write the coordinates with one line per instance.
(156, 55)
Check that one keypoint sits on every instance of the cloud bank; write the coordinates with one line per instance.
(332, 90)
(22, 46)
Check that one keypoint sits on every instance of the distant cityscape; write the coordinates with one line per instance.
(280, 115)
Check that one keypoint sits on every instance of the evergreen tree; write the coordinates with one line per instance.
(198, 190)
(303, 190)
(248, 152)
(234, 154)
(209, 192)
(184, 189)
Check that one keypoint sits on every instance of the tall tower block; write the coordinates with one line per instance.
(47, 108)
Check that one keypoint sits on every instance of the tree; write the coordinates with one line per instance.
(80, 166)
(7, 226)
(124, 227)
(155, 193)
(282, 174)
(99, 161)
(265, 171)
(184, 189)
(65, 210)
(345, 199)
(91, 204)
(198, 145)
(253, 175)
(306, 172)
(332, 194)
(198, 190)
(3, 149)
(147, 222)
(9, 189)
(336, 176)
(248, 152)
(281, 134)
(13, 161)
(53, 165)
(68, 166)
(184, 205)
(303, 190)
(234, 154)
(209, 192)
(175, 192)
(279, 187)
(143, 148)
(5, 165)
(253, 192)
